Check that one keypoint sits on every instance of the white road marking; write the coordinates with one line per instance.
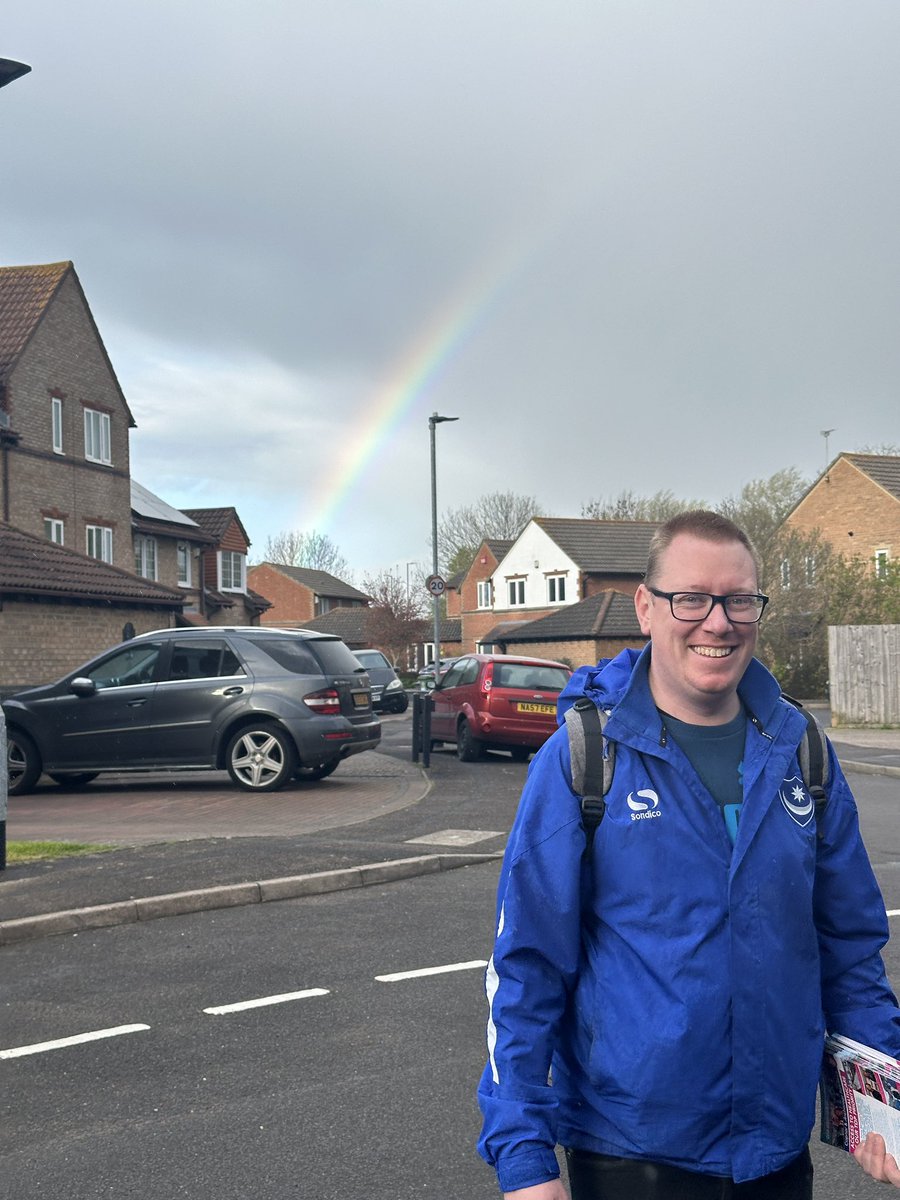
(463, 966)
(263, 1001)
(893, 912)
(96, 1035)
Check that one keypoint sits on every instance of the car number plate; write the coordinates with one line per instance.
(360, 699)
(536, 708)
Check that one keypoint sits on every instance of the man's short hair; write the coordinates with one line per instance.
(699, 523)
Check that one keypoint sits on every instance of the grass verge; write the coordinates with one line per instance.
(23, 852)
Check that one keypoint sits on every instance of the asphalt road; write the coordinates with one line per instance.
(354, 1086)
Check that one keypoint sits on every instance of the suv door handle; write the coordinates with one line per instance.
(233, 691)
(136, 703)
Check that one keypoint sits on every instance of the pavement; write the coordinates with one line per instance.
(225, 847)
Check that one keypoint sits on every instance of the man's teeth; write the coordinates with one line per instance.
(712, 651)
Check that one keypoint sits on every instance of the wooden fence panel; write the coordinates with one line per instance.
(864, 674)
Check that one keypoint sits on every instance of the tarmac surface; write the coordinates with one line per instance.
(226, 847)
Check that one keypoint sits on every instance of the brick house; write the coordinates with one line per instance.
(583, 633)
(169, 548)
(64, 421)
(59, 608)
(298, 595)
(554, 563)
(226, 598)
(855, 506)
(67, 572)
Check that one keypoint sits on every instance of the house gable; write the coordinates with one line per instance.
(65, 423)
(855, 506)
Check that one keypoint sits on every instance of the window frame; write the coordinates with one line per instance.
(516, 592)
(183, 554)
(105, 535)
(56, 424)
(484, 593)
(102, 433)
(234, 556)
(146, 557)
(52, 526)
(556, 588)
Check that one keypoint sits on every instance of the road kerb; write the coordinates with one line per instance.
(148, 908)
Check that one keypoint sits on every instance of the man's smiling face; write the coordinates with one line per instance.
(695, 666)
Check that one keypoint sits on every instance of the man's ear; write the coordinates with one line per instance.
(642, 602)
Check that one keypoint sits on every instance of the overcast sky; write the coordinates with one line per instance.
(642, 244)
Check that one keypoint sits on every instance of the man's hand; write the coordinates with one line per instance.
(553, 1189)
(874, 1160)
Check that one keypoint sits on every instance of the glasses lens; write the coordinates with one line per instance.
(695, 606)
(743, 608)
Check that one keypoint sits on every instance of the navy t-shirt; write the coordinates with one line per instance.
(716, 752)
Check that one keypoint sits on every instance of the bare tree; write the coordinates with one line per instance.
(317, 551)
(628, 506)
(396, 618)
(497, 515)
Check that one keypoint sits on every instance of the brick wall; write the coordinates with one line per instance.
(39, 642)
(292, 602)
(66, 359)
(575, 654)
(854, 514)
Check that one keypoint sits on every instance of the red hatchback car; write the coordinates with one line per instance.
(497, 701)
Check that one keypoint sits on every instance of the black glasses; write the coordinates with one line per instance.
(741, 608)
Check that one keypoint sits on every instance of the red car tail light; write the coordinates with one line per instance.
(327, 703)
(487, 679)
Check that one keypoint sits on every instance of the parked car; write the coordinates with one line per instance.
(267, 705)
(497, 701)
(388, 693)
(426, 675)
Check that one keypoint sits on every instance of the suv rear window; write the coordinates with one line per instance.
(524, 675)
(315, 656)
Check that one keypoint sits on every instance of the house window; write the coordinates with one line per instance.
(54, 530)
(882, 557)
(99, 542)
(516, 591)
(56, 421)
(145, 557)
(183, 561)
(231, 571)
(810, 570)
(96, 436)
(484, 593)
(785, 574)
(556, 589)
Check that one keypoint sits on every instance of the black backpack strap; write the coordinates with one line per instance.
(814, 764)
(593, 760)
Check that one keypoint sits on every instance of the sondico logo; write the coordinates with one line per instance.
(798, 804)
(646, 806)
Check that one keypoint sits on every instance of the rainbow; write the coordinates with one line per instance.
(395, 403)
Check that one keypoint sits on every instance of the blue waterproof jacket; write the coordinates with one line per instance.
(679, 988)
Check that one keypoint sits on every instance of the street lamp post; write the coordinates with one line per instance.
(433, 421)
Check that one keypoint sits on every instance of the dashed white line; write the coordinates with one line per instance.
(263, 1001)
(401, 975)
(96, 1035)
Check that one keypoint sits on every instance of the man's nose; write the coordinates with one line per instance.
(717, 618)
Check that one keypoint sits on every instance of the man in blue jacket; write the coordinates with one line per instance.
(659, 997)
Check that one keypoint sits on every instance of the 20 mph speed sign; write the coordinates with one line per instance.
(435, 585)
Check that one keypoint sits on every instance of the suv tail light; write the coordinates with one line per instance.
(487, 679)
(327, 703)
